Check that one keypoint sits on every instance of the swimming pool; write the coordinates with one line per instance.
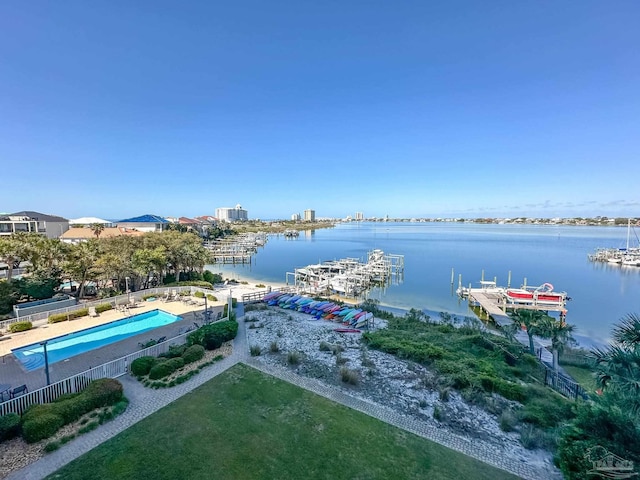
(67, 346)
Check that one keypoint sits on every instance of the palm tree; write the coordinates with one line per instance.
(97, 229)
(532, 320)
(618, 366)
(560, 334)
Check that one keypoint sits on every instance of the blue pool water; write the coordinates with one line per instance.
(67, 346)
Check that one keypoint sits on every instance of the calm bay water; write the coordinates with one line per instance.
(601, 293)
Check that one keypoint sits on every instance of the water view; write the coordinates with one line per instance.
(600, 293)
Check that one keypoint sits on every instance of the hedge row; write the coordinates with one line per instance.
(212, 336)
(191, 283)
(161, 367)
(103, 307)
(61, 317)
(20, 327)
(42, 421)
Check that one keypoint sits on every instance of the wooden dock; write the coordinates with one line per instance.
(490, 302)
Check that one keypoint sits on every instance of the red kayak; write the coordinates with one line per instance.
(347, 330)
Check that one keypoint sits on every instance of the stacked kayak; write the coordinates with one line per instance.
(325, 309)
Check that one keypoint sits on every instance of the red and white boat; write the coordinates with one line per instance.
(542, 295)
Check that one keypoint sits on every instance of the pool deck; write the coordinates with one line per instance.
(12, 372)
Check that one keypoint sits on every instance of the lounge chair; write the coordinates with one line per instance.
(16, 392)
(133, 302)
(92, 312)
(161, 339)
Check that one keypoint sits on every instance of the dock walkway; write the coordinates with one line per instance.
(489, 303)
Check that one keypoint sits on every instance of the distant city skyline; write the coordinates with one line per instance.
(420, 109)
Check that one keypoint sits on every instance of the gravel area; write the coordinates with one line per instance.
(404, 386)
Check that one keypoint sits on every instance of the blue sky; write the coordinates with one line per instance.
(457, 108)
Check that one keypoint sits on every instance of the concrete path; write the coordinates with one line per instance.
(144, 402)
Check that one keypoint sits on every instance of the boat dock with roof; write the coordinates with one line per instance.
(349, 277)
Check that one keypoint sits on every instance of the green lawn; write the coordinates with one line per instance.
(246, 425)
(583, 375)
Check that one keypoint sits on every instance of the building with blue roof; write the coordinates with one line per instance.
(144, 223)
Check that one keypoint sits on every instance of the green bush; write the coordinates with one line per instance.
(212, 336)
(193, 353)
(83, 312)
(103, 392)
(174, 351)
(39, 427)
(20, 327)
(141, 366)
(161, 370)
(58, 317)
(255, 350)
(212, 298)
(103, 307)
(293, 358)
(199, 294)
(9, 426)
(176, 363)
(349, 376)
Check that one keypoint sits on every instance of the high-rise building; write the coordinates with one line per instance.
(231, 214)
(295, 217)
(359, 216)
(309, 215)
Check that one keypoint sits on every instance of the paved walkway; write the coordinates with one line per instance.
(144, 402)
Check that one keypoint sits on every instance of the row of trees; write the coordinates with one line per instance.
(115, 261)
(538, 323)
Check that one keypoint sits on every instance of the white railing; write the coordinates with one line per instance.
(79, 382)
(42, 317)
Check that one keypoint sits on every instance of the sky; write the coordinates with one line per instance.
(494, 108)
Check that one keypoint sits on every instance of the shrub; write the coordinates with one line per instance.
(58, 317)
(20, 327)
(340, 360)
(39, 427)
(142, 366)
(211, 298)
(274, 348)
(193, 353)
(175, 363)
(508, 421)
(444, 393)
(83, 312)
(160, 370)
(259, 285)
(175, 351)
(103, 392)
(52, 446)
(212, 336)
(349, 376)
(199, 294)
(293, 358)
(533, 438)
(9, 426)
(437, 413)
(103, 307)
(325, 347)
(255, 350)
